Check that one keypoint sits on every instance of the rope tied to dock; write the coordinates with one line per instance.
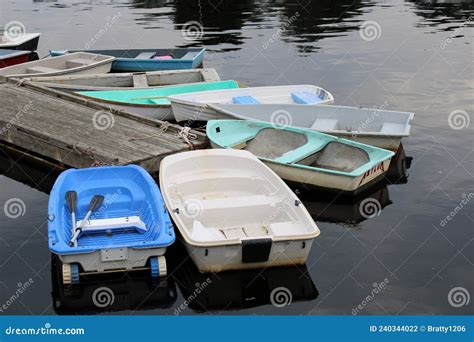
(163, 128)
(19, 82)
(185, 134)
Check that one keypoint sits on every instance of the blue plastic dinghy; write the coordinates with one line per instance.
(128, 227)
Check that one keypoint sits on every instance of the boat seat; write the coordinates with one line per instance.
(146, 55)
(324, 125)
(242, 201)
(244, 232)
(244, 100)
(286, 228)
(200, 233)
(78, 62)
(40, 69)
(304, 97)
(390, 127)
(210, 175)
(189, 55)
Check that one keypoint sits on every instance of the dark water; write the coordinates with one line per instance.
(420, 60)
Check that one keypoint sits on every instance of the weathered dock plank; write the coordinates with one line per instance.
(79, 133)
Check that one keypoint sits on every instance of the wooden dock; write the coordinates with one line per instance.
(75, 132)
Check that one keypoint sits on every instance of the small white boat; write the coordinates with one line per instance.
(195, 106)
(125, 81)
(376, 127)
(78, 63)
(233, 212)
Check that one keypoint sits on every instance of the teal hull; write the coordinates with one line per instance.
(156, 96)
(304, 156)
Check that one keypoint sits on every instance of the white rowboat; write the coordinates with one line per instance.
(195, 106)
(376, 127)
(79, 63)
(125, 81)
(233, 212)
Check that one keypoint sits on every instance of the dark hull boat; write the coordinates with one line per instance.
(29, 41)
(13, 57)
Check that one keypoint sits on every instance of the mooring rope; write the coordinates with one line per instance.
(163, 127)
(185, 134)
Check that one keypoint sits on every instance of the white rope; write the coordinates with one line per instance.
(185, 134)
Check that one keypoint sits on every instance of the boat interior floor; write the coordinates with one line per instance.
(338, 157)
(273, 143)
(220, 206)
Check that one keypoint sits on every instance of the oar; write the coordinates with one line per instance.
(71, 201)
(95, 203)
(149, 97)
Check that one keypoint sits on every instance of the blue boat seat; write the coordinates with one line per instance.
(145, 55)
(304, 97)
(246, 99)
(324, 125)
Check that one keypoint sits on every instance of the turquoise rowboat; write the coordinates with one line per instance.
(304, 156)
(152, 103)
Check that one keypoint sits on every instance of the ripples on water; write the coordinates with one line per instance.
(421, 61)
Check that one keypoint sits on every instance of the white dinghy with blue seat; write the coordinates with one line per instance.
(195, 106)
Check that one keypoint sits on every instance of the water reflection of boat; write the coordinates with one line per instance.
(110, 294)
(350, 210)
(232, 290)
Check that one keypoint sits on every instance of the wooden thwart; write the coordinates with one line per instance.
(67, 131)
